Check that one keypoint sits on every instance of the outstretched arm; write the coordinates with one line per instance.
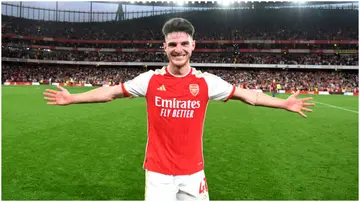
(102, 94)
(136, 87)
(260, 99)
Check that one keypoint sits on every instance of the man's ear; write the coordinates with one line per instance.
(165, 45)
(193, 45)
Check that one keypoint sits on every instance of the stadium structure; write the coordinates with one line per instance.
(306, 46)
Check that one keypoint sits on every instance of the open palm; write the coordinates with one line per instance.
(298, 105)
(62, 97)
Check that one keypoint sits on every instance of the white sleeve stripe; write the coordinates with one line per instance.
(137, 87)
(218, 89)
(231, 94)
(126, 93)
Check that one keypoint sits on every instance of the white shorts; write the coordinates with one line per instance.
(160, 187)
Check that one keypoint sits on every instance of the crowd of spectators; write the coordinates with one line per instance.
(258, 24)
(266, 24)
(248, 78)
(244, 58)
(12, 42)
(288, 59)
(82, 74)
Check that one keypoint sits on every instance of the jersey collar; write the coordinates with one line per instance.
(167, 71)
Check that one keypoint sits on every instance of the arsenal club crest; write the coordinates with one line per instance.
(194, 89)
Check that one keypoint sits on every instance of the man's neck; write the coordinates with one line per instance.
(179, 71)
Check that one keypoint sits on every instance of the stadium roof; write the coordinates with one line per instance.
(218, 3)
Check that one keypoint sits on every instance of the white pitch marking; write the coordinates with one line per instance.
(337, 107)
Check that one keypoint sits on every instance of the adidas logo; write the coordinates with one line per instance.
(161, 88)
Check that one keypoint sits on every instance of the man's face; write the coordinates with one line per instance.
(178, 47)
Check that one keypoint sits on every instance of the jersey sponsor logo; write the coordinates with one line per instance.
(194, 89)
(177, 108)
(175, 103)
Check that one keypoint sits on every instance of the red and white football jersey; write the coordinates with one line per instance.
(176, 107)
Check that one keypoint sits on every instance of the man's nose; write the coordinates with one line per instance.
(178, 48)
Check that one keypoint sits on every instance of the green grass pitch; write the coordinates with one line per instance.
(96, 151)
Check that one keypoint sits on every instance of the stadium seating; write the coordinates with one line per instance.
(244, 25)
(270, 24)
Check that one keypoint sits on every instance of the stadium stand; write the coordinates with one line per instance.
(322, 40)
(269, 24)
(305, 59)
(249, 78)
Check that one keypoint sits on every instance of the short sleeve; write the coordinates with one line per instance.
(137, 87)
(218, 88)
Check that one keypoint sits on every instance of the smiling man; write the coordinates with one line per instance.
(177, 96)
(179, 44)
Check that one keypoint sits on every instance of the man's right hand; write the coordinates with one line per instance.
(62, 97)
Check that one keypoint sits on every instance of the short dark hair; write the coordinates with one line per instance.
(178, 25)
